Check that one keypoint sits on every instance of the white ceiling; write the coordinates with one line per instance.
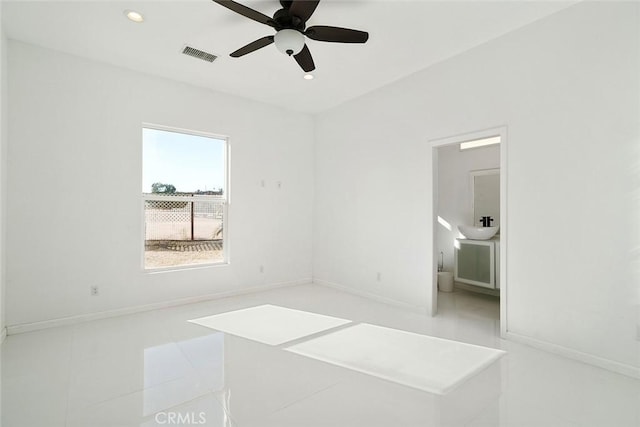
(405, 37)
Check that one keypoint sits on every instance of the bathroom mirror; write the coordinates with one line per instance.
(485, 192)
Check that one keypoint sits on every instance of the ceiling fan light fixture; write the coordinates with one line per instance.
(289, 42)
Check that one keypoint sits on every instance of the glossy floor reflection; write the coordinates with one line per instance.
(156, 368)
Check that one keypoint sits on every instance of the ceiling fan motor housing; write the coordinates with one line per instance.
(284, 20)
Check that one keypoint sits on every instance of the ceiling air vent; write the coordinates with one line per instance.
(200, 54)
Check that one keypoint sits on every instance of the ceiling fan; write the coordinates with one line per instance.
(290, 25)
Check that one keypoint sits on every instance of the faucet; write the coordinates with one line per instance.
(486, 221)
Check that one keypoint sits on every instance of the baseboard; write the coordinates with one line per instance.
(71, 320)
(610, 365)
(372, 296)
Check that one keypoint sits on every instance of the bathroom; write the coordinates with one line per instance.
(468, 181)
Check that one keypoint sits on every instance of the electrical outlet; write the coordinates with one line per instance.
(262, 269)
(94, 290)
(379, 277)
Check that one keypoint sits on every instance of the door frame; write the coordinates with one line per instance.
(435, 144)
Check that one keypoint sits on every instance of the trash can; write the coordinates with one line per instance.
(445, 281)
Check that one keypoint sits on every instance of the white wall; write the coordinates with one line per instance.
(454, 191)
(74, 179)
(567, 88)
(3, 169)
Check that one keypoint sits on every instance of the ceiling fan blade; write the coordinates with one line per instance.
(336, 34)
(253, 46)
(247, 12)
(303, 9)
(305, 60)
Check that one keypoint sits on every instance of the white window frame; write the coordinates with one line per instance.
(225, 198)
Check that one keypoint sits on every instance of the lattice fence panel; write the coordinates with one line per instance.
(172, 220)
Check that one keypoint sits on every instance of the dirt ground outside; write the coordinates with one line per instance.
(176, 253)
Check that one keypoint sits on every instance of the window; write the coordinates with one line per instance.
(185, 194)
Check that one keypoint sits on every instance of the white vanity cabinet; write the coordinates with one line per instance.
(477, 262)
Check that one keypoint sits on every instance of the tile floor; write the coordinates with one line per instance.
(155, 369)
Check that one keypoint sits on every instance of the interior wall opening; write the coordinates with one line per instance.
(469, 223)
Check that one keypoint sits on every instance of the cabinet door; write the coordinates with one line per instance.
(475, 264)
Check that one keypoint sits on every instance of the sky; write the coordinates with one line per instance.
(188, 162)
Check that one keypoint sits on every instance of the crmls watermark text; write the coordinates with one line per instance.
(179, 418)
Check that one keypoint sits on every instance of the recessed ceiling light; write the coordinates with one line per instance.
(308, 76)
(134, 16)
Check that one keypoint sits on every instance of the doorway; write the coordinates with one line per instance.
(486, 136)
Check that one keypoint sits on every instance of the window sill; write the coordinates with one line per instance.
(177, 268)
